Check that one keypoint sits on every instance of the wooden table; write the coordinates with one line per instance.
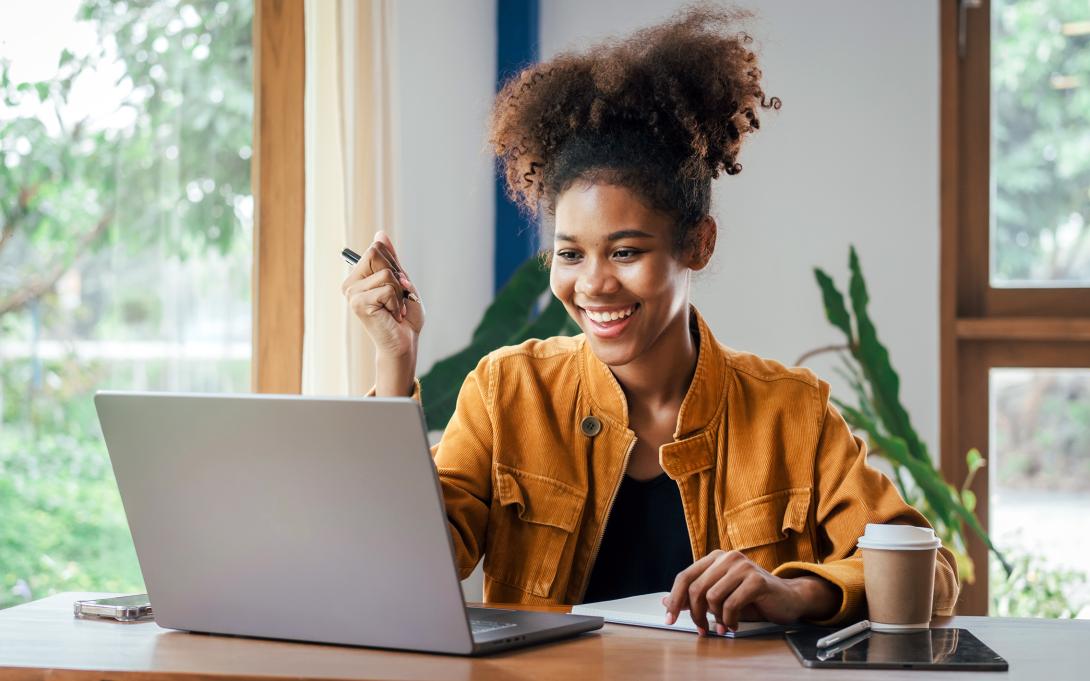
(42, 640)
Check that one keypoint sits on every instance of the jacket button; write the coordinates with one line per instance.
(591, 426)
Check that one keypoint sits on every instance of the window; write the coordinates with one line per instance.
(1016, 275)
(125, 255)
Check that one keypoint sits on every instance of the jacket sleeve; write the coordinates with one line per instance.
(463, 460)
(851, 494)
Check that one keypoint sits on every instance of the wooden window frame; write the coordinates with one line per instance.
(983, 327)
(278, 187)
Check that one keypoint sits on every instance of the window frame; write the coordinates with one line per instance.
(278, 185)
(983, 327)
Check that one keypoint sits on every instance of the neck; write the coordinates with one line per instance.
(662, 375)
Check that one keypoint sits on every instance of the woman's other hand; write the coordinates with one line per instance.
(377, 295)
(728, 587)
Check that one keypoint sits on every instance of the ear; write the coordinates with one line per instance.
(701, 243)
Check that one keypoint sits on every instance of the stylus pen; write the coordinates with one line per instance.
(846, 632)
(832, 651)
(353, 257)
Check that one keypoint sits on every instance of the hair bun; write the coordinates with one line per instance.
(686, 93)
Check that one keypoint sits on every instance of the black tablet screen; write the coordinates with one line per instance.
(929, 649)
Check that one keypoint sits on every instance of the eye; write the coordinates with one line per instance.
(626, 253)
(568, 256)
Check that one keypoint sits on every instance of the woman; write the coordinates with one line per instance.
(641, 456)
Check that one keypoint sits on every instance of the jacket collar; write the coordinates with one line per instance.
(703, 404)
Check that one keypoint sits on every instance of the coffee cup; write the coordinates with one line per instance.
(899, 575)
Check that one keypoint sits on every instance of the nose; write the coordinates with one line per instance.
(596, 279)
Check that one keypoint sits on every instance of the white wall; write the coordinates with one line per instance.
(851, 158)
(443, 87)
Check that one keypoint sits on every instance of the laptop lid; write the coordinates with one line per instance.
(283, 516)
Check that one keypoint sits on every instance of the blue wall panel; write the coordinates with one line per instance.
(516, 48)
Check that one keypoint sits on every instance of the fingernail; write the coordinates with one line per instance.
(720, 629)
(701, 630)
(670, 618)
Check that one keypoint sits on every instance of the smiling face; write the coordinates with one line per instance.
(616, 271)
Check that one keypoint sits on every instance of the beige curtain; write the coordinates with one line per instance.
(349, 180)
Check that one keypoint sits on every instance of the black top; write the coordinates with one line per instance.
(646, 542)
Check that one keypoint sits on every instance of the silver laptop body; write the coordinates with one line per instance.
(302, 518)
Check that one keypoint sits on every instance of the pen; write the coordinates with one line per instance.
(353, 257)
(846, 632)
(831, 652)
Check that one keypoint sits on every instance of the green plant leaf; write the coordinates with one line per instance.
(874, 358)
(507, 321)
(835, 310)
(968, 499)
(974, 461)
(926, 477)
(551, 322)
(853, 376)
(439, 387)
(942, 496)
(513, 305)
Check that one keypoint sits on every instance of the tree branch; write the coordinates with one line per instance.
(44, 284)
(22, 210)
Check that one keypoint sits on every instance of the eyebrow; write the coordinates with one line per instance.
(613, 236)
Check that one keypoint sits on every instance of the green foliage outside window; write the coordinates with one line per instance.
(157, 174)
(1040, 141)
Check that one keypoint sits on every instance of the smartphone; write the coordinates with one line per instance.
(120, 608)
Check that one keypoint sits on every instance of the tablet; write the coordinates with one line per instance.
(934, 649)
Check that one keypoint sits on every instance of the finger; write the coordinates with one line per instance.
(383, 297)
(370, 262)
(746, 593)
(718, 592)
(408, 285)
(367, 300)
(384, 238)
(382, 241)
(370, 302)
(698, 590)
(678, 599)
(383, 278)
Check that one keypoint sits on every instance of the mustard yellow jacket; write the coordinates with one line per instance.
(764, 463)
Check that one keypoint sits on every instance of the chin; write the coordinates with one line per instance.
(611, 354)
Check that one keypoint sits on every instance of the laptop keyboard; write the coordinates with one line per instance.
(485, 626)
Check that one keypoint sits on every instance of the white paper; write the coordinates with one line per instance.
(647, 611)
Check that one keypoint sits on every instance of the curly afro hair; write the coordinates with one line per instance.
(661, 112)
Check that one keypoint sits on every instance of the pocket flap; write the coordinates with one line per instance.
(539, 499)
(767, 519)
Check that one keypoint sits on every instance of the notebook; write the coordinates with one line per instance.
(647, 611)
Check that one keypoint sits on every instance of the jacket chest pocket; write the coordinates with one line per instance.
(771, 529)
(531, 521)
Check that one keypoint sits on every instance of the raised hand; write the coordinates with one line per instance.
(378, 295)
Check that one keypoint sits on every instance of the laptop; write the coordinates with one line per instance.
(299, 518)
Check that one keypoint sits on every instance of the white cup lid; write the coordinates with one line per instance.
(898, 537)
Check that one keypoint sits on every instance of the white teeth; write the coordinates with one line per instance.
(603, 317)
